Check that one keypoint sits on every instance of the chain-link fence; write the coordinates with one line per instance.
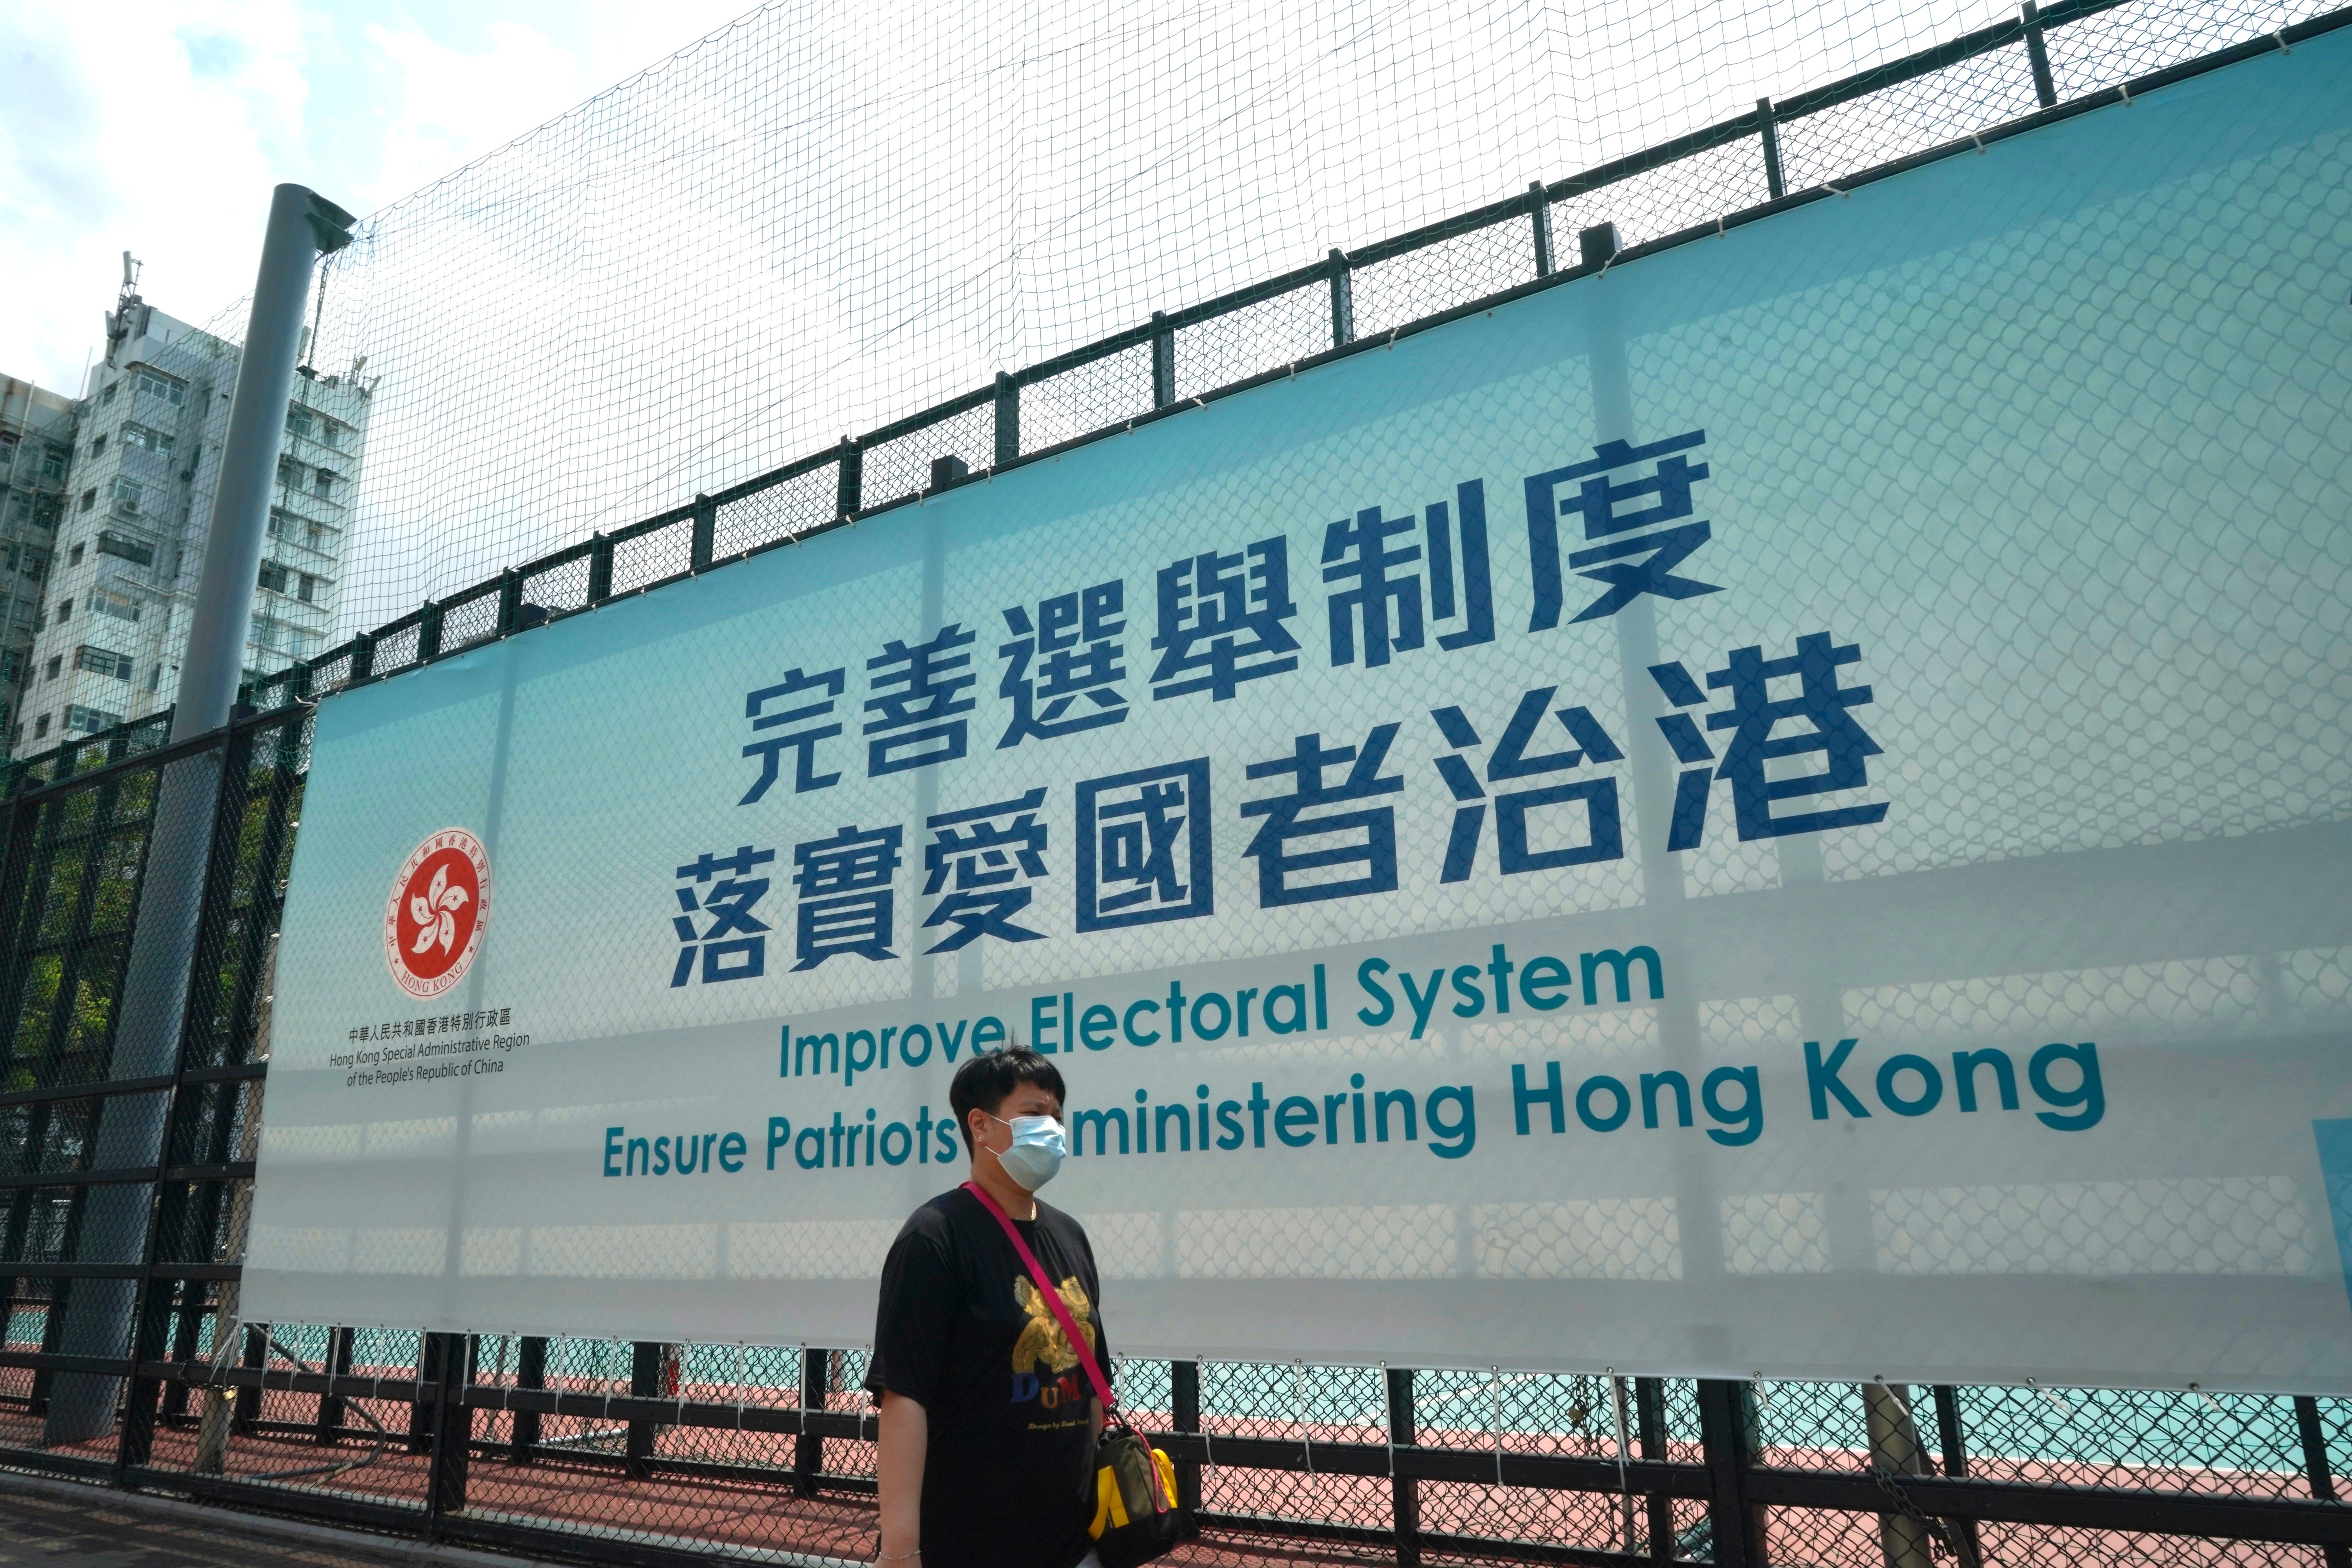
(647, 1453)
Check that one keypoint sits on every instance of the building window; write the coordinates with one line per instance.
(149, 440)
(121, 606)
(73, 556)
(40, 726)
(297, 420)
(56, 664)
(53, 465)
(108, 396)
(104, 662)
(138, 551)
(325, 483)
(128, 493)
(154, 384)
(88, 719)
(65, 611)
(330, 431)
(12, 664)
(90, 497)
(273, 576)
(310, 588)
(97, 446)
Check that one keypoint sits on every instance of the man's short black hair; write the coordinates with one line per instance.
(981, 1083)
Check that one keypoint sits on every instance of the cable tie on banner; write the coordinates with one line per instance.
(1389, 1411)
(743, 1355)
(2125, 88)
(1392, 334)
(2284, 47)
(1299, 1388)
(1497, 1373)
(2198, 1390)
(1978, 138)
(1718, 226)
(1617, 1398)
(1200, 402)
(1833, 190)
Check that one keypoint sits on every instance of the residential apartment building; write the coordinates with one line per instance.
(36, 439)
(127, 551)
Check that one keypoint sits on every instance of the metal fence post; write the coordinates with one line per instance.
(1184, 1414)
(330, 1407)
(849, 493)
(808, 1448)
(1008, 420)
(1343, 300)
(705, 533)
(1405, 1491)
(363, 658)
(644, 1382)
(420, 1407)
(2037, 55)
(1163, 361)
(509, 601)
(1954, 1446)
(530, 1372)
(1540, 216)
(2315, 1468)
(1650, 1425)
(428, 631)
(1775, 185)
(453, 1432)
(246, 1408)
(600, 569)
(1726, 1426)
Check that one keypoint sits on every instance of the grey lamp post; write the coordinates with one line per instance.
(148, 1028)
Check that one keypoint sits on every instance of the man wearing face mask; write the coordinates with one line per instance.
(988, 1425)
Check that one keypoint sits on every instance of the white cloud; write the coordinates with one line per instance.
(457, 105)
(160, 126)
(152, 126)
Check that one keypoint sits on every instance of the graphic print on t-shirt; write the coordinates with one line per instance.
(1045, 1367)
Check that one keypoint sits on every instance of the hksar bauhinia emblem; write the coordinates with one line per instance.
(440, 903)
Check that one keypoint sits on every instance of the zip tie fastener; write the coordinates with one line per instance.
(1834, 191)
(2284, 47)
(2125, 88)
(1978, 138)
(1495, 1373)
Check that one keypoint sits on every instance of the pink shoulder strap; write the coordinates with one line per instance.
(1053, 1299)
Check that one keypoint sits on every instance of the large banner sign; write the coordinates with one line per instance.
(1783, 810)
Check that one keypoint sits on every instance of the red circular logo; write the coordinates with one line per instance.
(440, 902)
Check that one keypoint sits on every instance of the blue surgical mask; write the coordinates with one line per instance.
(1038, 1148)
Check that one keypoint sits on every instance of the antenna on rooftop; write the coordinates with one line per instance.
(130, 264)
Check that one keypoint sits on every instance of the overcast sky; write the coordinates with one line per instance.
(159, 126)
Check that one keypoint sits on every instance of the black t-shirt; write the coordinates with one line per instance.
(1008, 1479)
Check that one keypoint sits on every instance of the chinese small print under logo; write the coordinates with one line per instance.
(440, 903)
